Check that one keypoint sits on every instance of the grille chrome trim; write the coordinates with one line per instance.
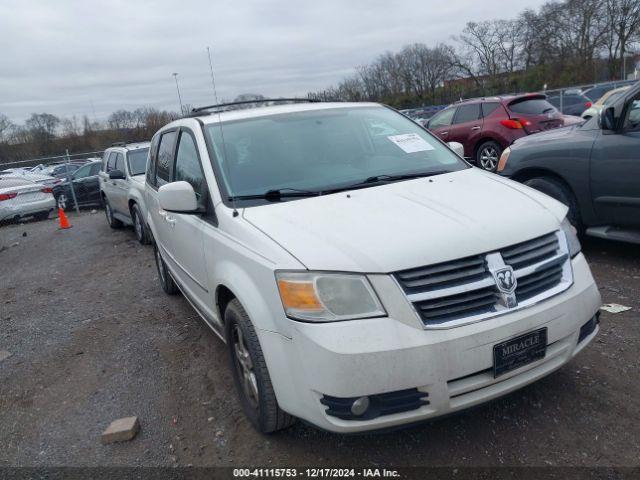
(543, 271)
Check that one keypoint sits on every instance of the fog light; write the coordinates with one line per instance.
(360, 406)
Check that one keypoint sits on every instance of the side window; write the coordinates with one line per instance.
(632, 123)
(82, 172)
(153, 156)
(165, 158)
(111, 164)
(188, 166)
(467, 113)
(442, 119)
(120, 162)
(488, 108)
(95, 168)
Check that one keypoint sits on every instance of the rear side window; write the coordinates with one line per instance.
(111, 164)
(488, 108)
(153, 156)
(120, 162)
(467, 113)
(531, 106)
(165, 158)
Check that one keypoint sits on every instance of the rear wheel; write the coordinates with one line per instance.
(113, 222)
(250, 373)
(488, 155)
(166, 281)
(556, 189)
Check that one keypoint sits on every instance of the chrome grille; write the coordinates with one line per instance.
(464, 291)
(443, 275)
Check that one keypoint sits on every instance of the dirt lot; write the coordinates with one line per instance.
(94, 338)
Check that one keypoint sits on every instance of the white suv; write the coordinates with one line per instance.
(122, 186)
(362, 274)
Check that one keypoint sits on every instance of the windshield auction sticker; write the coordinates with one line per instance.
(410, 142)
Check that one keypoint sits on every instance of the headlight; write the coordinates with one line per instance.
(327, 297)
(503, 159)
(572, 237)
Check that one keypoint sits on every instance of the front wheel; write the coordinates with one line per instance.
(250, 373)
(166, 281)
(555, 189)
(488, 155)
(138, 225)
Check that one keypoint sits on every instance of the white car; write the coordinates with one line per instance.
(20, 197)
(362, 277)
(122, 187)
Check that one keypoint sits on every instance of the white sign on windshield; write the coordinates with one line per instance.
(410, 142)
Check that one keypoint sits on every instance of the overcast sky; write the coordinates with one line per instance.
(93, 57)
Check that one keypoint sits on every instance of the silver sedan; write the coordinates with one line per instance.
(21, 197)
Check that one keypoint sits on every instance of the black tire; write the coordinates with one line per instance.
(138, 225)
(41, 216)
(263, 412)
(488, 155)
(113, 222)
(63, 201)
(167, 282)
(556, 189)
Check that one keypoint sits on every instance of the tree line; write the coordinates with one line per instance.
(563, 43)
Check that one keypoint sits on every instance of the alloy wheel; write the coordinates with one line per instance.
(489, 158)
(244, 366)
(62, 201)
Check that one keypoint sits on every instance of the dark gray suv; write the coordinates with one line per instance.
(593, 167)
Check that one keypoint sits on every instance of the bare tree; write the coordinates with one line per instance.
(623, 21)
(5, 127)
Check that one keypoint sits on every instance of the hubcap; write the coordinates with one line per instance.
(62, 201)
(489, 158)
(244, 365)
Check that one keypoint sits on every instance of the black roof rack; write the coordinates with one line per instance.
(199, 110)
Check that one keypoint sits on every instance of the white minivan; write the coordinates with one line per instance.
(362, 274)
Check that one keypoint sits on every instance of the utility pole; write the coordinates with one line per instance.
(175, 76)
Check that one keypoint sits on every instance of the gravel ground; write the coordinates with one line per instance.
(93, 338)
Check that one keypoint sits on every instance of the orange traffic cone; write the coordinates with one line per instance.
(64, 221)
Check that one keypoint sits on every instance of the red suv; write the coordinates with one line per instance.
(486, 126)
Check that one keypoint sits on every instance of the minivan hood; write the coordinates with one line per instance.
(408, 224)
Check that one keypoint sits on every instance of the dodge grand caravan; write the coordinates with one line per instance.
(347, 258)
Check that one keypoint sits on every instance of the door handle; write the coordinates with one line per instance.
(475, 128)
(444, 133)
(170, 220)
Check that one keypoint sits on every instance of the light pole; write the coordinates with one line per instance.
(175, 76)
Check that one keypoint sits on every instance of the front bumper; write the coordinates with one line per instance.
(375, 356)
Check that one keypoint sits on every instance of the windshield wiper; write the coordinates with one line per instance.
(369, 181)
(278, 194)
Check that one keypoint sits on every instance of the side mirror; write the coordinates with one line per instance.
(178, 197)
(116, 175)
(607, 119)
(457, 148)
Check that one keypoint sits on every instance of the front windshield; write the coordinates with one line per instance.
(321, 150)
(137, 161)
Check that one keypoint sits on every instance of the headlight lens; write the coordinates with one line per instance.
(327, 297)
(503, 159)
(572, 237)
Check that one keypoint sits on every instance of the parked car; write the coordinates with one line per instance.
(487, 126)
(122, 187)
(572, 103)
(45, 180)
(593, 168)
(85, 187)
(358, 277)
(610, 96)
(20, 198)
(597, 92)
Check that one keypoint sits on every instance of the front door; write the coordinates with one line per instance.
(466, 127)
(440, 123)
(615, 172)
